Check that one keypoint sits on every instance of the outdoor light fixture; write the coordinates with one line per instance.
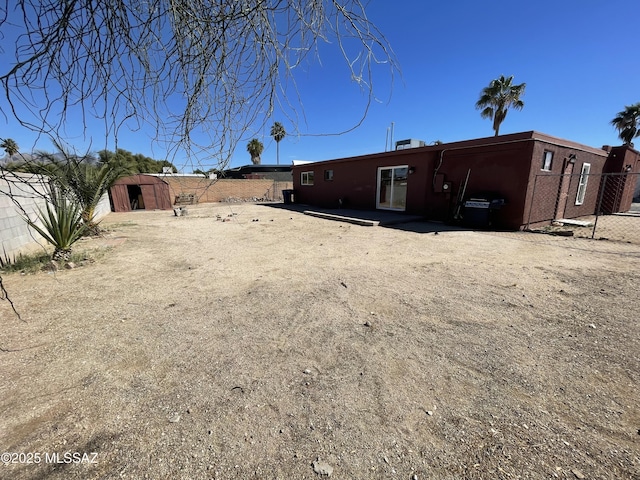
(572, 158)
(628, 168)
(412, 170)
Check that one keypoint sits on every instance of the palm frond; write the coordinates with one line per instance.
(627, 122)
(487, 113)
(497, 98)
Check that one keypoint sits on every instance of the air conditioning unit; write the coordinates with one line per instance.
(409, 143)
(167, 170)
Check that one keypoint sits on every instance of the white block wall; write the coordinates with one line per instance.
(15, 235)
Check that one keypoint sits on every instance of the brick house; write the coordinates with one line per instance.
(435, 180)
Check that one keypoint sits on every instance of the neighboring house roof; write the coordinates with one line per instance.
(260, 168)
(282, 172)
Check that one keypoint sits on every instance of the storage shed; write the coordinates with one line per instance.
(139, 192)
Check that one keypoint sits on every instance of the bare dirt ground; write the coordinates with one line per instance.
(619, 228)
(195, 348)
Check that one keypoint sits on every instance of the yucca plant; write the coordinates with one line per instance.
(62, 224)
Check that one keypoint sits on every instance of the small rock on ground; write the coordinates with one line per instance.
(322, 468)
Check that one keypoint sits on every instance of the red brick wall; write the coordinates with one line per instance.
(506, 166)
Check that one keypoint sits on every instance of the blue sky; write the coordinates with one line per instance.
(579, 60)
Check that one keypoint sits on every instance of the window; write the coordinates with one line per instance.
(307, 178)
(582, 185)
(328, 175)
(546, 160)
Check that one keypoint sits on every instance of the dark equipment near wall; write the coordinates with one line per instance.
(480, 211)
(288, 196)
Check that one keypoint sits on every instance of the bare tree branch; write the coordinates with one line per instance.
(189, 68)
(4, 295)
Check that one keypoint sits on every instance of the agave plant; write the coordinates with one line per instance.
(62, 224)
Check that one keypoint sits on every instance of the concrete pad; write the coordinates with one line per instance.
(340, 218)
(576, 223)
(364, 217)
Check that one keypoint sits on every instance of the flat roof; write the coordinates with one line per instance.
(476, 142)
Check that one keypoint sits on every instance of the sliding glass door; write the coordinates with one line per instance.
(392, 188)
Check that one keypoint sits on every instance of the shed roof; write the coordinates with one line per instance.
(139, 179)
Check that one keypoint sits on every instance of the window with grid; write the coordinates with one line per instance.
(306, 178)
(582, 184)
(547, 160)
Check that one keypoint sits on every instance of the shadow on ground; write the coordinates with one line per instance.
(382, 218)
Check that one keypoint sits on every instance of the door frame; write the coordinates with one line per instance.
(379, 177)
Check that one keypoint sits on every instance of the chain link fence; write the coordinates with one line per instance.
(599, 206)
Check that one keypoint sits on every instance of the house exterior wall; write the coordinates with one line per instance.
(552, 193)
(503, 167)
(355, 180)
(623, 186)
(487, 167)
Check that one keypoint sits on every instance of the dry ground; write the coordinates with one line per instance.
(196, 348)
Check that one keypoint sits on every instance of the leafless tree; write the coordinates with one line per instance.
(188, 67)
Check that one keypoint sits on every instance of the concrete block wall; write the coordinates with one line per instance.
(226, 189)
(15, 235)
(103, 208)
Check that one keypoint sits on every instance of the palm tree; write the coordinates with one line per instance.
(627, 122)
(496, 99)
(255, 148)
(278, 133)
(9, 146)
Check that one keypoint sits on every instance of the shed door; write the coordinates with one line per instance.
(156, 196)
(163, 199)
(149, 196)
(120, 198)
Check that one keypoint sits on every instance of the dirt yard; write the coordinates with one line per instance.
(281, 346)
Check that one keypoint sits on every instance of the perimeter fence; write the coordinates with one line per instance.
(598, 206)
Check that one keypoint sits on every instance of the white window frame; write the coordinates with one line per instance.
(547, 160)
(306, 178)
(392, 196)
(582, 184)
